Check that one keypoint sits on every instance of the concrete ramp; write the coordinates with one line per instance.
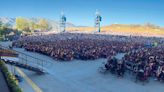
(22, 60)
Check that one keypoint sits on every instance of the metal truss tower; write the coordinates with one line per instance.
(62, 22)
(98, 19)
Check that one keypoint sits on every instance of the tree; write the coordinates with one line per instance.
(0, 23)
(0, 26)
(22, 24)
(4, 31)
(43, 24)
(32, 25)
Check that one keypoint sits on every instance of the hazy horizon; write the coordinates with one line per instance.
(82, 12)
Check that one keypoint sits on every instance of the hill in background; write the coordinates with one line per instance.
(115, 29)
(121, 29)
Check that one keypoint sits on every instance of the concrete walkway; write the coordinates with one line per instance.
(3, 84)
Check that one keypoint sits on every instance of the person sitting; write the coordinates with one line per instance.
(161, 75)
(113, 65)
(140, 75)
(120, 69)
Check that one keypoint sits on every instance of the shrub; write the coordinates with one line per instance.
(11, 80)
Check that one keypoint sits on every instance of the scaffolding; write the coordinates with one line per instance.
(62, 22)
(98, 19)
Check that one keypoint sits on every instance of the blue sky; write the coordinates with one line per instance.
(82, 12)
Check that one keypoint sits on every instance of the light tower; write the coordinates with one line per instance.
(62, 22)
(98, 19)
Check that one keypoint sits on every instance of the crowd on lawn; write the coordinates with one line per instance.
(70, 46)
(143, 55)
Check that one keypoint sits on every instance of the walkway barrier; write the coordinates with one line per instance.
(23, 60)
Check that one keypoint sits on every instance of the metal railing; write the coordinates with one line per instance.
(27, 59)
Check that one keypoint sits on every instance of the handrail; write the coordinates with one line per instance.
(34, 62)
(21, 53)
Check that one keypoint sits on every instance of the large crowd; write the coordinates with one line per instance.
(144, 62)
(77, 46)
(143, 55)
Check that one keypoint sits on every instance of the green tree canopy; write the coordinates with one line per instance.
(43, 24)
(0, 23)
(22, 24)
(32, 25)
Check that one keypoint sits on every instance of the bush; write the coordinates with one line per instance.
(1, 38)
(11, 80)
